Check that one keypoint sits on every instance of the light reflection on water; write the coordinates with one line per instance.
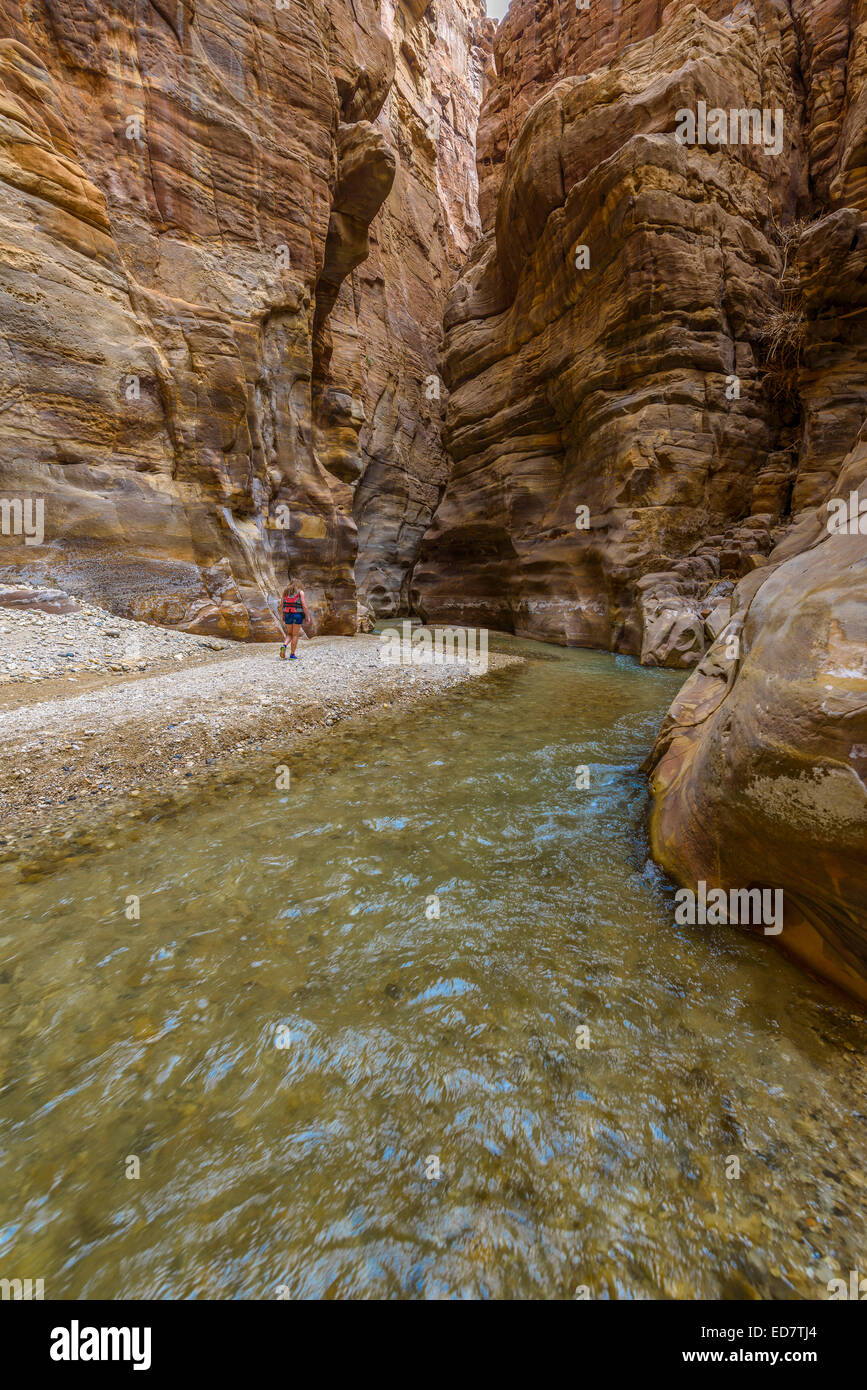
(413, 1036)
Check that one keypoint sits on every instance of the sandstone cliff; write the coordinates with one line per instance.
(226, 237)
(187, 193)
(629, 430)
(657, 358)
(759, 773)
(392, 306)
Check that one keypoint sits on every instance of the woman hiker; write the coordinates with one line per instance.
(294, 612)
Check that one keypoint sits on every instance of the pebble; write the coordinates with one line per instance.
(36, 646)
(125, 737)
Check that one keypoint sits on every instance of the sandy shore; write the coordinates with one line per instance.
(124, 745)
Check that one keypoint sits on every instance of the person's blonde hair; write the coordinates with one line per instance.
(293, 587)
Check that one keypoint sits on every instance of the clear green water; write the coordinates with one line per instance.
(306, 1167)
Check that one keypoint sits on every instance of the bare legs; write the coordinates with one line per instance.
(294, 634)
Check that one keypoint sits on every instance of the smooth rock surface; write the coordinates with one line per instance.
(759, 774)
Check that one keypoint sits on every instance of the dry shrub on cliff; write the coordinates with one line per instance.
(782, 330)
(788, 238)
(782, 333)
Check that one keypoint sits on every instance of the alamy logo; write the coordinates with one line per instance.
(847, 518)
(22, 1288)
(838, 1288)
(22, 516)
(75, 1343)
(444, 646)
(740, 126)
(758, 907)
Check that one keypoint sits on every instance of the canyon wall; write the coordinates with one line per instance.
(186, 361)
(759, 773)
(628, 434)
(394, 302)
(657, 359)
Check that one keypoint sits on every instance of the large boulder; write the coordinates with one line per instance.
(759, 774)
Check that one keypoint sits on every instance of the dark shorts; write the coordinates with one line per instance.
(293, 619)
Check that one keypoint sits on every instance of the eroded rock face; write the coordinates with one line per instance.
(393, 306)
(38, 600)
(184, 188)
(623, 401)
(759, 773)
(656, 358)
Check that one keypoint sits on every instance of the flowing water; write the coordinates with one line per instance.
(336, 990)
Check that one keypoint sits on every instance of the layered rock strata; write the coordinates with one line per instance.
(394, 306)
(657, 359)
(188, 192)
(759, 774)
(629, 430)
(168, 229)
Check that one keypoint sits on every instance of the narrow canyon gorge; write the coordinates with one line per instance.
(460, 320)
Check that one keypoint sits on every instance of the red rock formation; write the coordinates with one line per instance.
(608, 383)
(184, 189)
(393, 306)
(759, 773)
(656, 358)
(191, 193)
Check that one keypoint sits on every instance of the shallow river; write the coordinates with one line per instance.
(290, 1043)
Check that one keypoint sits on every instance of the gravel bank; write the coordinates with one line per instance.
(45, 635)
(132, 743)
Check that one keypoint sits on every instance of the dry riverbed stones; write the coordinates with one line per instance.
(45, 634)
